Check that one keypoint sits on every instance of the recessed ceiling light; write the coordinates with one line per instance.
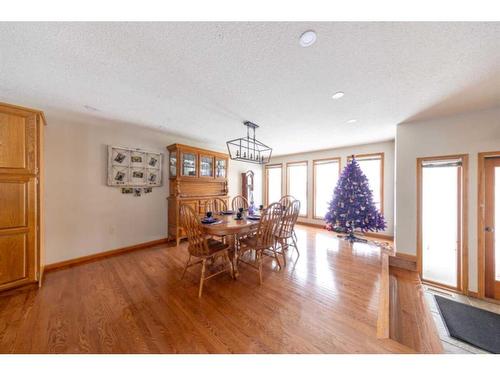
(351, 121)
(338, 95)
(307, 38)
(90, 108)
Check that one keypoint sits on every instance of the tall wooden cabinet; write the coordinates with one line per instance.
(21, 189)
(195, 175)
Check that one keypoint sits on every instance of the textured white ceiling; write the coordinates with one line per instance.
(201, 80)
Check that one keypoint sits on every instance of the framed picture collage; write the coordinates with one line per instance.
(133, 169)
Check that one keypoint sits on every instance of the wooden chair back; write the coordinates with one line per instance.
(215, 205)
(268, 225)
(286, 200)
(288, 219)
(197, 245)
(239, 202)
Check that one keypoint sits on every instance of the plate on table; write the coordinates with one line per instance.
(228, 212)
(253, 217)
(208, 220)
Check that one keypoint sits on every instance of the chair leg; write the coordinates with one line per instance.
(186, 267)
(202, 278)
(296, 247)
(276, 257)
(294, 235)
(259, 257)
(283, 254)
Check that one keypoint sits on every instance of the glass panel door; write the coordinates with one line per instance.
(220, 168)
(173, 163)
(496, 249)
(491, 218)
(189, 164)
(206, 166)
(441, 221)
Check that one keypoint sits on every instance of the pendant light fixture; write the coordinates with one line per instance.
(249, 149)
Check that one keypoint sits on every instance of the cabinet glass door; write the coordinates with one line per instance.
(189, 164)
(206, 166)
(220, 168)
(173, 164)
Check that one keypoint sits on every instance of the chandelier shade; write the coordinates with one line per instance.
(249, 149)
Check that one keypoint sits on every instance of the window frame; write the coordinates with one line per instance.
(316, 162)
(266, 180)
(296, 163)
(375, 155)
(463, 229)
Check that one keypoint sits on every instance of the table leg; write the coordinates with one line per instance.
(232, 241)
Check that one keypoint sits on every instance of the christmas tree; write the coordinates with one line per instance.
(352, 206)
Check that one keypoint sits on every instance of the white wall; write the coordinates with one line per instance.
(386, 147)
(469, 133)
(84, 216)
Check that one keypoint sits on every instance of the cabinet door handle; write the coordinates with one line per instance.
(489, 229)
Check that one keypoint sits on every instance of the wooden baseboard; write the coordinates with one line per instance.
(105, 254)
(314, 225)
(473, 294)
(371, 234)
(404, 261)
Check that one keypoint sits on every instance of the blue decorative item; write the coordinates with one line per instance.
(352, 206)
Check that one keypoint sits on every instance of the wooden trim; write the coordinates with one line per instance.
(266, 180)
(462, 260)
(403, 261)
(314, 163)
(20, 108)
(383, 318)
(473, 294)
(94, 257)
(481, 197)
(377, 235)
(183, 147)
(370, 235)
(442, 286)
(299, 163)
(314, 225)
(374, 155)
(405, 256)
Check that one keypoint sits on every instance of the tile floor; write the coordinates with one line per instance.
(450, 344)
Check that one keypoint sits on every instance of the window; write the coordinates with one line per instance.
(273, 183)
(297, 184)
(440, 220)
(326, 174)
(372, 166)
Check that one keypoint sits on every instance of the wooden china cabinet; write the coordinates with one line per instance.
(195, 175)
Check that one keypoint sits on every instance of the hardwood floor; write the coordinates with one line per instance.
(325, 301)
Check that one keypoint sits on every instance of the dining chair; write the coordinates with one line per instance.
(201, 247)
(239, 201)
(263, 241)
(286, 200)
(215, 205)
(286, 232)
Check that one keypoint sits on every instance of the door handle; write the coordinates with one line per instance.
(489, 229)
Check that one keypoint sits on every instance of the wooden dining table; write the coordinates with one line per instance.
(231, 229)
